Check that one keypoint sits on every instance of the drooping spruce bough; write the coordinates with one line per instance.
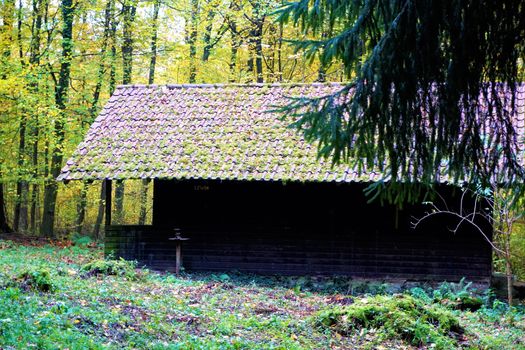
(433, 88)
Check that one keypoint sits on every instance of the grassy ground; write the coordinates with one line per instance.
(54, 297)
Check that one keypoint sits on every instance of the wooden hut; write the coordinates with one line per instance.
(251, 195)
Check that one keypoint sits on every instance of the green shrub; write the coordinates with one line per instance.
(457, 296)
(38, 279)
(81, 240)
(398, 316)
(500, 312)
(119, 267)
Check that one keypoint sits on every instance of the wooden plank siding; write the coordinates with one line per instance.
(298, 229)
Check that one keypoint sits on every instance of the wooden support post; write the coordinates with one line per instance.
(178, 259)
(178, 247)
(108, 202)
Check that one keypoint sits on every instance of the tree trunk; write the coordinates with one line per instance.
(207, 35)
(250, 63)
(101, 209)
(321, 73)
(61, 91)
(113, 53)
(8, 17)
(34, 60)
(109, 36)
(35, 188)
(279, 53)
(259, 56)
(151, 79)
(235, 39)
(34, 213)
(20, 223)
(34, 46)
(129, 10)
(508, 268)
(272, 51)
(23, 222)
(19, 32)
(255, 43)
(108, 16)
(4, 226)
(235, 43)
(119, 202)
(81, 208)
(144, 201)
(22, 186)
(194, 20)
(154, 27)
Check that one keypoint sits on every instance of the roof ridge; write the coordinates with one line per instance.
(209, 85)
(216, 85)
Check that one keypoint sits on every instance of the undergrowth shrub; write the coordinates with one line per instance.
(35, 279)
(121, 267)
(501, 312)
(457, 296)
(81, 241)
(398, 316)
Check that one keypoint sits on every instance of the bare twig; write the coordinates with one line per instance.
(462, 219)
(498, 210)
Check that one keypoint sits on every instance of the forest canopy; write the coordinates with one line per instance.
(433, 88)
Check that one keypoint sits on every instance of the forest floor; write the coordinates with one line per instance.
(60, 296)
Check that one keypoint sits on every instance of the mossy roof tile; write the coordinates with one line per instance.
(206, 131)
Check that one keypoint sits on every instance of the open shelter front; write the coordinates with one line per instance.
(250, 194)
(296, 229)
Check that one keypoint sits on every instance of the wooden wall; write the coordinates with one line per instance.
(297, 228)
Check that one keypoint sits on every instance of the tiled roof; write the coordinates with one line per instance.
(205, 132)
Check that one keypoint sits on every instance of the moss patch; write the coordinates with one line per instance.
(120, 267)
(397, 316)
(36, 279)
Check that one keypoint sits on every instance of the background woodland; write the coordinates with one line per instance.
(60, 62)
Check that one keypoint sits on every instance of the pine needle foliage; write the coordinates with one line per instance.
(432, 87)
